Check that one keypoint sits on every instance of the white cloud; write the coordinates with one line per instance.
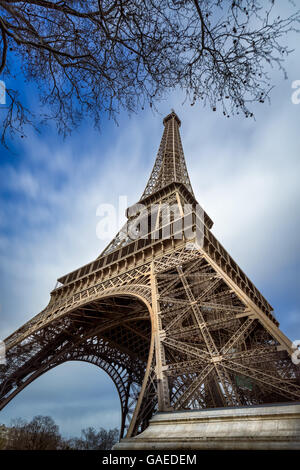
(20, 182)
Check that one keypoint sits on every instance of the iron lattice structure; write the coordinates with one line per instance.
(174, 324)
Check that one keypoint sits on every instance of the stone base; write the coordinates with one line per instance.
(240, 428)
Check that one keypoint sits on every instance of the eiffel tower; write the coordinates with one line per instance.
(164, 310)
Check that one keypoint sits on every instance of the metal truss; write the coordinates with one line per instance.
(175, 325)
(170, 162)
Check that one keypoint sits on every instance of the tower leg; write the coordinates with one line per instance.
(159, 334)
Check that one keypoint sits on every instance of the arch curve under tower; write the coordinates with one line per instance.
(113, 331)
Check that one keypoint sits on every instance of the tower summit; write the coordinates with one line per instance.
(170, 163)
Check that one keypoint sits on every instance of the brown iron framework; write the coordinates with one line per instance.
(174, 324)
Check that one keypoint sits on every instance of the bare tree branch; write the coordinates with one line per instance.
(96, 57)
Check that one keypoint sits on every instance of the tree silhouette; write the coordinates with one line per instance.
(41, 433)
(94, 440)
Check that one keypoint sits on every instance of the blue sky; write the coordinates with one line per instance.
(244, 173)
